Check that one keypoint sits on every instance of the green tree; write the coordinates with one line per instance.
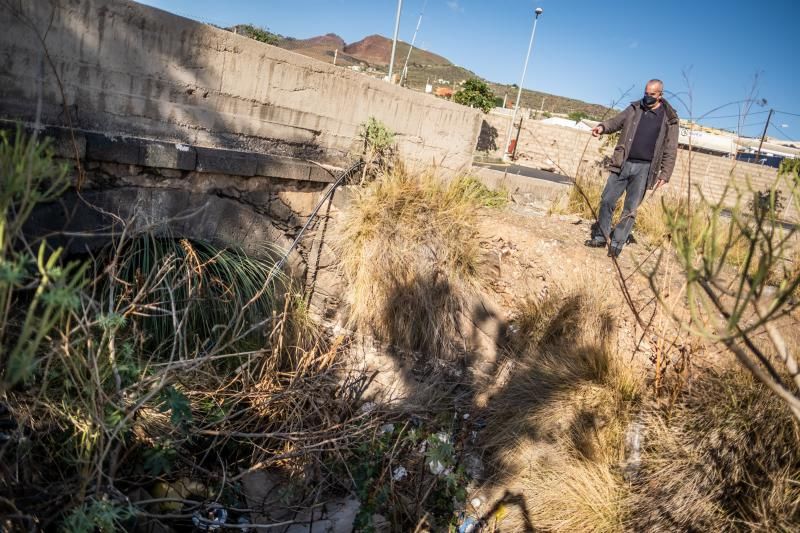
(475, 93)
(577, 116)
(259, 34)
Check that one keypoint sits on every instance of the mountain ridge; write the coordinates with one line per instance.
(425, 67)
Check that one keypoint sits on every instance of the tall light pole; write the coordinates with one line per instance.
(410, 48)
(538, 12)
(394, 41)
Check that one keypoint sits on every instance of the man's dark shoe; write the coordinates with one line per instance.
(595, 243)
(614, 251)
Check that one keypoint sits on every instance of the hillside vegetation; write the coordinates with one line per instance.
(423, 67)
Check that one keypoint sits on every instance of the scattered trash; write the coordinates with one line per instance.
(633, 447)
(436, 467)
(399, 473)
(500, 513)
(473, 465)
(368, 407)
(243, 522)
(470, 524)
(476, 502)
(211, 518)
(439, 441)
(387, 428)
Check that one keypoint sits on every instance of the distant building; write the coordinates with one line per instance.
(704, 141)
(565, 122)
(444, 92)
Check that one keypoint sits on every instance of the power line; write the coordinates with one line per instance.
(733, 116)
(738, 126)
(787, 113)
(776, 128)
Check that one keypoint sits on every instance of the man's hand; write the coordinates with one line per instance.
(659, 183)
(597, 131)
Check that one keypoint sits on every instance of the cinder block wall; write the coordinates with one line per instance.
(568, 150)
(130, 69)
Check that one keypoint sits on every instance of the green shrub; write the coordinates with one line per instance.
(475, 93)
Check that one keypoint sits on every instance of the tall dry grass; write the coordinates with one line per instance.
(724, 458)
(410, 257)
(584, 196)
(661, 215)
(573, 396)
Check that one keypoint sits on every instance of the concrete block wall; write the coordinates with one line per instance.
(129, 69)
(567, 151)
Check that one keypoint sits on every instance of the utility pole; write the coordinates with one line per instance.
(538, 12)
(763, 135)
(335, 53)
(413, 40)
(541, 109)
(516, 141)
(394, 40)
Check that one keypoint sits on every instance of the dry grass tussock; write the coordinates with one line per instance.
(724, 458)
(660, 217)
(410, 256)
(651, 222)
(573, 398)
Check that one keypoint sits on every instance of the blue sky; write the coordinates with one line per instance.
(594, 50)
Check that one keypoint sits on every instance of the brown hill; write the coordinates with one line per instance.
(424, 67)
(321, 48)
(329, 41)
(377, 50)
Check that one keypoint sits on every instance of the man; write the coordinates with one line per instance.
(643, 159)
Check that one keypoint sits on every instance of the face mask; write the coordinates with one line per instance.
(649, 101)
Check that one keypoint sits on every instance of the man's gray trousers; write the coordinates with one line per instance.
(632, 180)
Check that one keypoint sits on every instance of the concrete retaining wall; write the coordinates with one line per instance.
(131, 69)
(568, 151)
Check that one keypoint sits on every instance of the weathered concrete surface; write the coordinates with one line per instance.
(175, 156)
(260, 214)
(129, 69)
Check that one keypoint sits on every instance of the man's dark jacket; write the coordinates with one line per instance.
(666, 149)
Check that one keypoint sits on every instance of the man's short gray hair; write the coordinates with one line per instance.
(656, 80)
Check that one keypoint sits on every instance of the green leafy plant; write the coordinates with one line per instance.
(577, 116)
(30, 176)
(160, 458)
(257, 33)
(97, 515)
(475, 93)
(731, 312)
(178, 406)
(471, 187)
(378, 147)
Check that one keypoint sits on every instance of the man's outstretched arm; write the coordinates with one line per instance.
(613, 124)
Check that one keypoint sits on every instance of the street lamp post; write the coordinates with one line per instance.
(394, 40)
(538, 12)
